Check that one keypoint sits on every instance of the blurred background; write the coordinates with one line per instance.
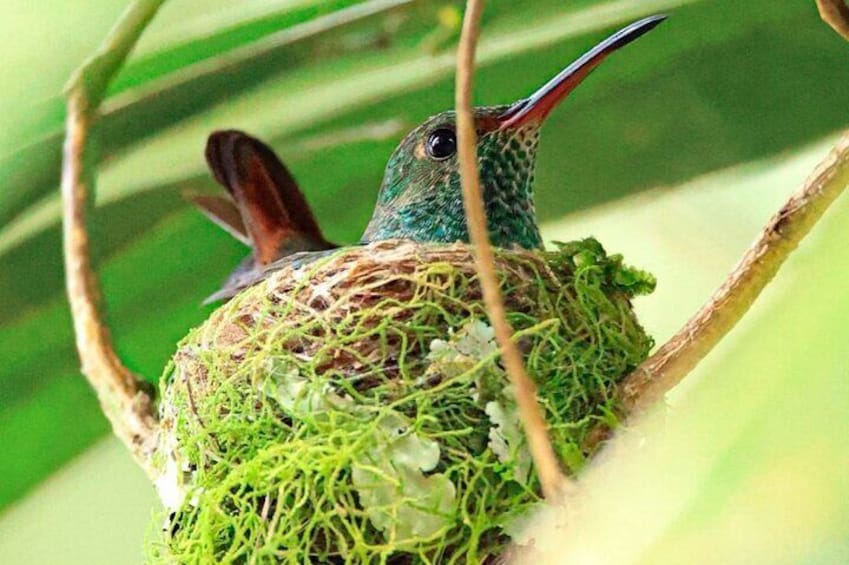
(676, 152)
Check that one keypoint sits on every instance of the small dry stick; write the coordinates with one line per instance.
(126, 400)
(663, 370)
(836, 14)
(553, 481)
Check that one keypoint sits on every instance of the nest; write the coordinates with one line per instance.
(353, 409)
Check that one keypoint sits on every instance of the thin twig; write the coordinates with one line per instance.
(836, 14)
(551, 478)
(665, 368)
(127, 401)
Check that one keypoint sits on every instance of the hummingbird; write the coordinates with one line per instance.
(420, 198)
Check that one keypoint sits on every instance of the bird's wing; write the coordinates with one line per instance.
(276, 217)
(222, 211)
(248, 274)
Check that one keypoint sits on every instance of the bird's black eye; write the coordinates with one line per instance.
(442, 144)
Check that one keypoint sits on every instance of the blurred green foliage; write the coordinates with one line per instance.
(748, 464)
(722, 83)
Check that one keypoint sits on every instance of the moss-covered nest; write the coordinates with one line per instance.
(353, 409)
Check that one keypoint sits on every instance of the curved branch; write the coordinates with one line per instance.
(677, 357)
(836, 14)
(126, 400)
(551, 478)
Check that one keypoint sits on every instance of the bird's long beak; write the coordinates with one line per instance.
(536, 107)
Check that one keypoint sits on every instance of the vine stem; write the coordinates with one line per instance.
(126, 400)
(836, 14)
(554, 482)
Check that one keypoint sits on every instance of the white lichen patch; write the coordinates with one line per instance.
(401, 499)
(462, 352)
(393, 477)
(170, 484)
(296, 395)
(465, 348)
(506, 438)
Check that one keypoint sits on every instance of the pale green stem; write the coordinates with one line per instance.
(127, 400)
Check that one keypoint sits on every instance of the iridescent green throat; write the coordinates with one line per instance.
(421, 197)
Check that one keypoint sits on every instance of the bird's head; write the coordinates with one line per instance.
(421, 197)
